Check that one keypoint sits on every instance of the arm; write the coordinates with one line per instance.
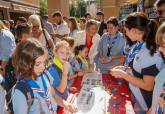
(18, 101)
(64, 103)
(72, 77)
(63, 84)
(147, 83)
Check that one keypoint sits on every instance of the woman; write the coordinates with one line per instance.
(158, 102)
(72, 23)
(42, 35)
(111, 46)
(39, 33)
(143, 59)
(91, 39)
(82, 23)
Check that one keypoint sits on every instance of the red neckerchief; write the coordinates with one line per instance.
(89, 42)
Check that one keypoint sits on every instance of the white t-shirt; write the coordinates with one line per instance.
(62, 29)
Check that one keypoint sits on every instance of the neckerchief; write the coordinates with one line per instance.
(84, 61)
(111, 43)
(132, 53)
(58, 63)
(43, 93)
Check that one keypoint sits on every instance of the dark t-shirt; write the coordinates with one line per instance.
(103, 26)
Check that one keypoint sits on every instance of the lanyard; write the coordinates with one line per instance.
(111, 43)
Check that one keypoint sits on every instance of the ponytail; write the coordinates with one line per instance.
(150, 36)
(78, 49)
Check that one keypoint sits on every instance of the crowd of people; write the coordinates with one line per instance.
(39, 60)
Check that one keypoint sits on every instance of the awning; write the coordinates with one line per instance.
(4, 4)
(23, 8)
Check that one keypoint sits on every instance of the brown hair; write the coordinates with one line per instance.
(74, 23)
(70, 41)
(25, 55)
(160, 35)
(113, 21)
(23, 28)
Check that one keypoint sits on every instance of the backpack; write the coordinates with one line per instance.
(25, 89)
(9, 78)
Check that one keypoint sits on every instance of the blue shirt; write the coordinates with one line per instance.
(113, 46)
(7, 44)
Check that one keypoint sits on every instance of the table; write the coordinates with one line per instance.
(120, 100)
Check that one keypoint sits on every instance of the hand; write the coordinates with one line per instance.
(66, 68)
(106, 60)
(161, 102)
(118, 73)
(70, 107)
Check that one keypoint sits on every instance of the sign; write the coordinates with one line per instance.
(126, 10)
(151, 12)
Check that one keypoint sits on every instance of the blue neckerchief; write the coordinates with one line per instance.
(111, 43)
(132, 53)
(160, 110)
(37, 88)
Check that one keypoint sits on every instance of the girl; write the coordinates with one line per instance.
(82, 52)
(30, 60)
(143, 59)
(72, 23)
(62, 68)
(158, 102)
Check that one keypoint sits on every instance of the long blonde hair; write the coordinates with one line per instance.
(2, 26)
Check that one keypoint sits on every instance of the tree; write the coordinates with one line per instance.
(43, 7)
(81, 9)
(73, 10)
(78, 8)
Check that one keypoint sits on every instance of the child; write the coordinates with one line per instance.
(82, 52)
(33, 92)
(23, 31)
(158, 102)
(30, 60)
(62, 68)
(74, 65)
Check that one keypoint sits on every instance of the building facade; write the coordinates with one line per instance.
(112, 7)
(11, 9)
(58, 5)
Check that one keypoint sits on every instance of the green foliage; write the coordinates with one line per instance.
(78, 9)
(43, 7)
(73, 10)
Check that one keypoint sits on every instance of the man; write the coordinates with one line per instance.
(103, 25)
(160, 6)
(62, 27)
(48, 26)
(21, 20)
(88, 16)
